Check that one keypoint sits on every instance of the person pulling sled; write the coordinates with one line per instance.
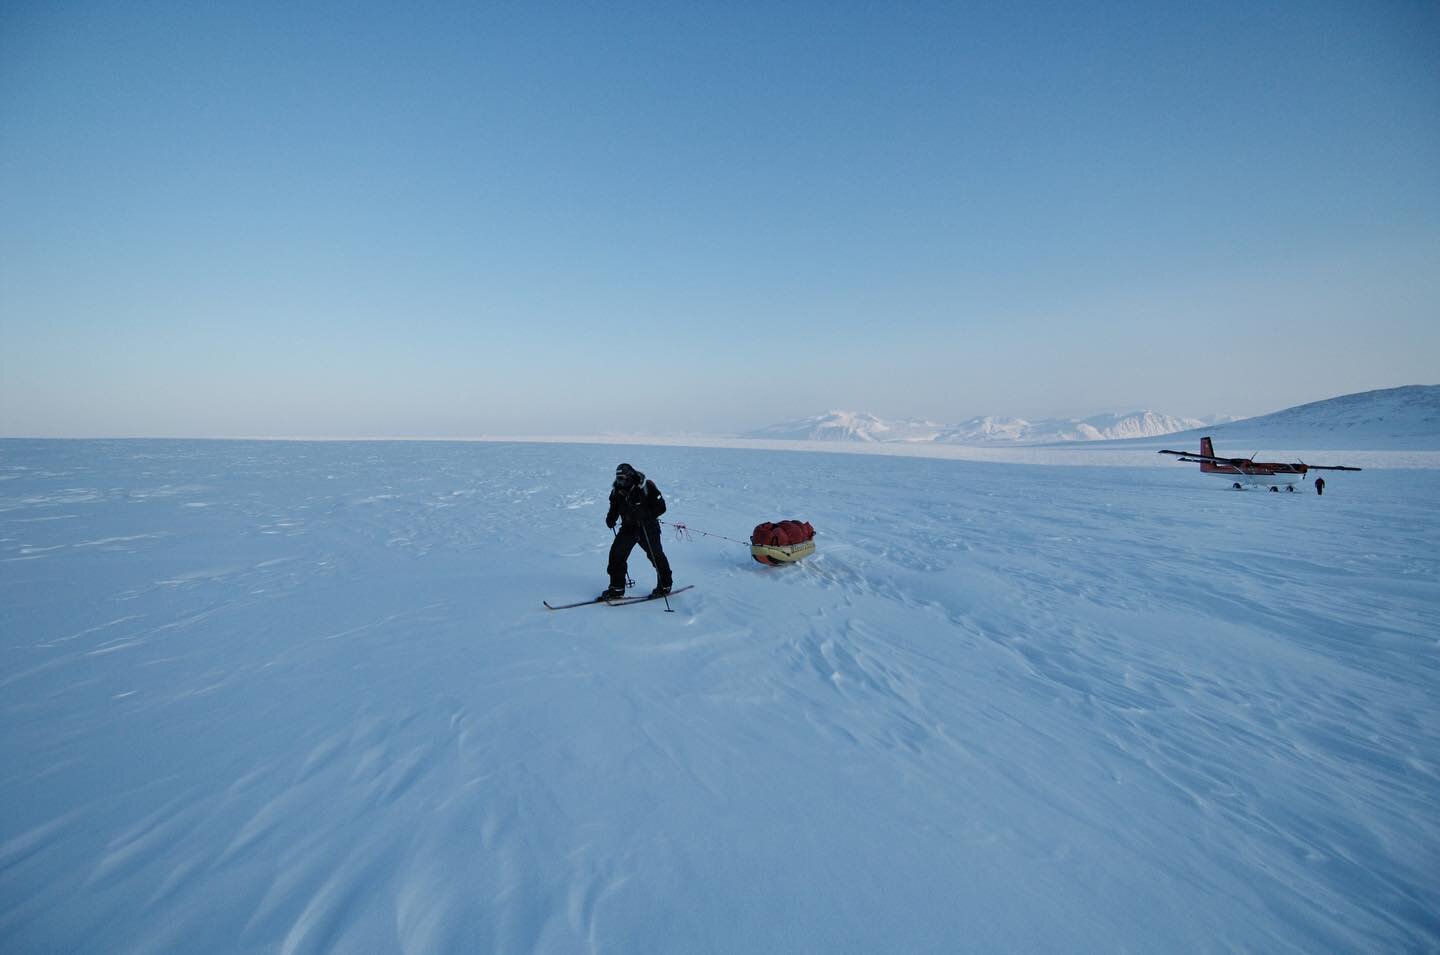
(637, 504)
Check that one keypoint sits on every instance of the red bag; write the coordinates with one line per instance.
(796, 532)
(786, 533)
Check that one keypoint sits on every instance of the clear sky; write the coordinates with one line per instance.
(435, 219)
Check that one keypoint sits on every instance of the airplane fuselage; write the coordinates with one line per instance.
(1248, 471)
(1242, 471)
(1256, 475)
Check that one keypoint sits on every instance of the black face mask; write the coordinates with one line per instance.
(626, 477)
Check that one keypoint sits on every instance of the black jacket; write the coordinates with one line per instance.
(641, 503)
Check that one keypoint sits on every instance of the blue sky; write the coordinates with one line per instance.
(452, 219)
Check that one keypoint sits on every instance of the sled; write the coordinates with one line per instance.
(782, 543)
(781, 553)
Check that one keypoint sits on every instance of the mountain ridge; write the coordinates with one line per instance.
(982, 430)
(1407, 416)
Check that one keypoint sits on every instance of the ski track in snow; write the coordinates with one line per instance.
(303, 697)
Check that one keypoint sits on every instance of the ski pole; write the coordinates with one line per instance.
(650, 546)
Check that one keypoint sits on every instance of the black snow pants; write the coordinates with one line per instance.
(647, 535)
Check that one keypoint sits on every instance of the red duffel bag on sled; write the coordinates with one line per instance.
(782, 543)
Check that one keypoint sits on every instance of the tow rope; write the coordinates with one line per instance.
(683, 532)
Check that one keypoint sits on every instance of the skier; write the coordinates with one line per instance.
(637, 503)
(1319, 485)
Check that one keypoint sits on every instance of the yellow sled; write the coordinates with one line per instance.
(778, 554)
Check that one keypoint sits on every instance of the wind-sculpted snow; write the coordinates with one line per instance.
(302, 697)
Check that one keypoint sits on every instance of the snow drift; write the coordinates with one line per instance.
(303, 697)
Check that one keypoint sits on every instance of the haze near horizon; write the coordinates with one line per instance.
(510, 220)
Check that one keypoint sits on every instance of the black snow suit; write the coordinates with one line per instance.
(638, 508)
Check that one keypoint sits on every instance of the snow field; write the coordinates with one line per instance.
(303, 697)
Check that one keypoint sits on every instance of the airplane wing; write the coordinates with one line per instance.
(1195, 458)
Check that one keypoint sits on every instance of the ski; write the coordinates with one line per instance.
(582, 603)
(619, 602)
(640, 600)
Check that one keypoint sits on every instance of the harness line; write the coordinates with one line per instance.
(683, 532)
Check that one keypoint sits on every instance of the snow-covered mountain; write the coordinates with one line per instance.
(849, 426)
(1407, 417)
(1392, 418)
(987, 430)
(1102, 427)
(1387, 419)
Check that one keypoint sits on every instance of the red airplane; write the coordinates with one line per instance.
(1250, 471)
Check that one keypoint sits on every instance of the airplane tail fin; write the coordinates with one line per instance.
(1207, 450)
